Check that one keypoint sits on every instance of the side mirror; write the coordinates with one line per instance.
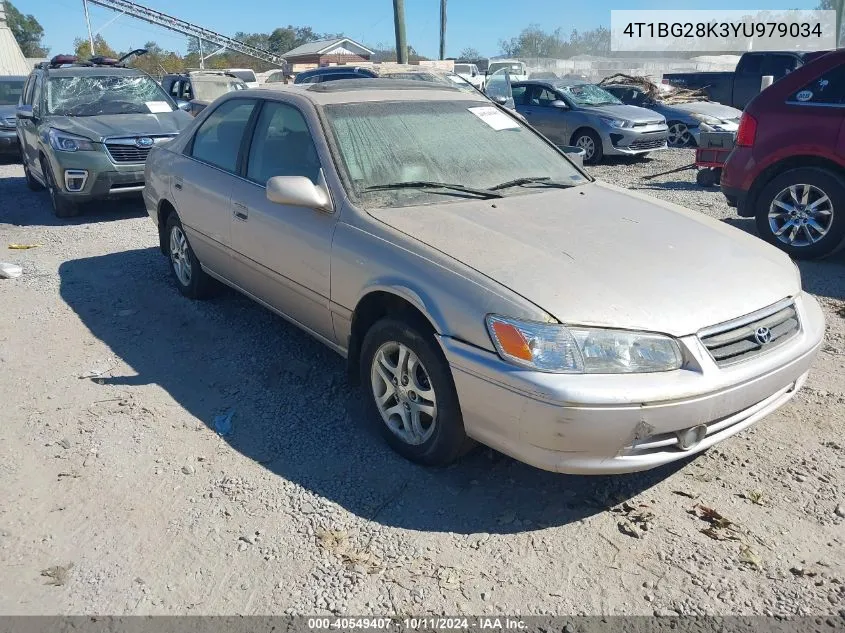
(25, 112)
(184, 105)
(559, 104)
(500, 100)
(298, 191)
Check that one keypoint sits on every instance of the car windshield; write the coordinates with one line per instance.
(10, 91)
(515, 68)
(209, 88)
(471, 143)
(588, 95)
(463, 69)
(92, 95)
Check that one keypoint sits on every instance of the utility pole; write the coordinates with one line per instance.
(88, 22)
(443, 29)
(202, 54)
(399, 22)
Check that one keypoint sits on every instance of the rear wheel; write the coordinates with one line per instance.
(802, 212)
(62, 207)
(191, 279)
(590, 142)
(411, 394)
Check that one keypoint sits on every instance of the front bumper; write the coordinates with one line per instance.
(633, 141)
(9, 142)
(607, 424)
(105, 179)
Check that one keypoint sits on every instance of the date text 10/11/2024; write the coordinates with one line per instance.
(415, 624)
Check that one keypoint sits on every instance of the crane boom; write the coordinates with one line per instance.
(186, 28)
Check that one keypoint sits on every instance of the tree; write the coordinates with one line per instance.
(82, 48)
(27, 31)
(470, 53)
(533, 41)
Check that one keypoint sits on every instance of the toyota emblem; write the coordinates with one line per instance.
(763, 335)
(145, 142)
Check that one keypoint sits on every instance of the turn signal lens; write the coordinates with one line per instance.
(747, 132)
(511, 340)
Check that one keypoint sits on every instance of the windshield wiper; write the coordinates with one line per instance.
(543, 180)
(428, 184)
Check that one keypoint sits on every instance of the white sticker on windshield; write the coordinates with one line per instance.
(494, 118)
(157, 107)
(804, 95)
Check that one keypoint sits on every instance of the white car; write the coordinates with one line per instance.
(471, 73)
(517, 70)
(247, 75)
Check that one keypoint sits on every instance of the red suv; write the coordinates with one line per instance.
(788, 167)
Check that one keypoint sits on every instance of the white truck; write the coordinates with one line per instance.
(517, 70)
(471, 73)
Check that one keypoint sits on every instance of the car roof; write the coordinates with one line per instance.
(12, 77)
(96, 71)
(368, 90)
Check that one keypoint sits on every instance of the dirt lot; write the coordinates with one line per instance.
(110, 382)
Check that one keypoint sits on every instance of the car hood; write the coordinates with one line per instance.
(716, 110)
(600, 255)
(100, 127)
(627, 112)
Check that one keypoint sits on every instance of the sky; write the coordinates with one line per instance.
(480, 24)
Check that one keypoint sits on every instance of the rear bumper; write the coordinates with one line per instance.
(737, 198)
(607, 424)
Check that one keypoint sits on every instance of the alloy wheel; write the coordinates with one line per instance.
(800, 215)
(403, 392)
(588, 145)
(679, 135)
(179, 255)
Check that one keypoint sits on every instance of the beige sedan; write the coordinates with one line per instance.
(480, 285)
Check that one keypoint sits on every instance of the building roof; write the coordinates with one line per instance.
(12, 61)
(323, 47)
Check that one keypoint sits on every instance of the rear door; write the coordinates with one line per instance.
(202, 180)
(815, 114)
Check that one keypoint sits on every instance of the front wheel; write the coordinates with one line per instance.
(590, 142)
(802, 212)
(62, 207)
(411, 394)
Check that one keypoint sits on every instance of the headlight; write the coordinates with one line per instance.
(614, 122)
(64, 142)
(703, 118)
(555, 348)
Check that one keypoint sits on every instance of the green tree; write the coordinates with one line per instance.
(27, 31)
(82, 48)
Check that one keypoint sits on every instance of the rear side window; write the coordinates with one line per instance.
(218, 140)
(779, 65)
(828, 89)
(750, 65)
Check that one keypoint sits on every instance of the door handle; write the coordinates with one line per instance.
(241, 212)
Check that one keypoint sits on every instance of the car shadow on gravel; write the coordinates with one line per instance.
(296, 415)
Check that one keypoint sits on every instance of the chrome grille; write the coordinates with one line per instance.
(648, 144)
(127, 153)
(746, 338)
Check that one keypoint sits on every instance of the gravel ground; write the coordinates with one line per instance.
(118, 497)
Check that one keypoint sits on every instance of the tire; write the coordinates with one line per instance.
(590, 142)
(192, 281)
(812, 228)
(435, 440)
(704, 177)
(679, 135)
(31, 182)
(62, 207)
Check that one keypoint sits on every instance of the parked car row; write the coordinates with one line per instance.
(481, 285)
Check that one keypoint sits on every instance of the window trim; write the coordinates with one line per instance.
(242, 172)
(189, 147)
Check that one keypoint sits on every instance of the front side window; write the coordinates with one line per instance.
(92, 95)
(282, 145)
(467, 142)
(28, 90)
(828, 89)
(750, 65)
(218, 140)
(778, 66)
(10, 91)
